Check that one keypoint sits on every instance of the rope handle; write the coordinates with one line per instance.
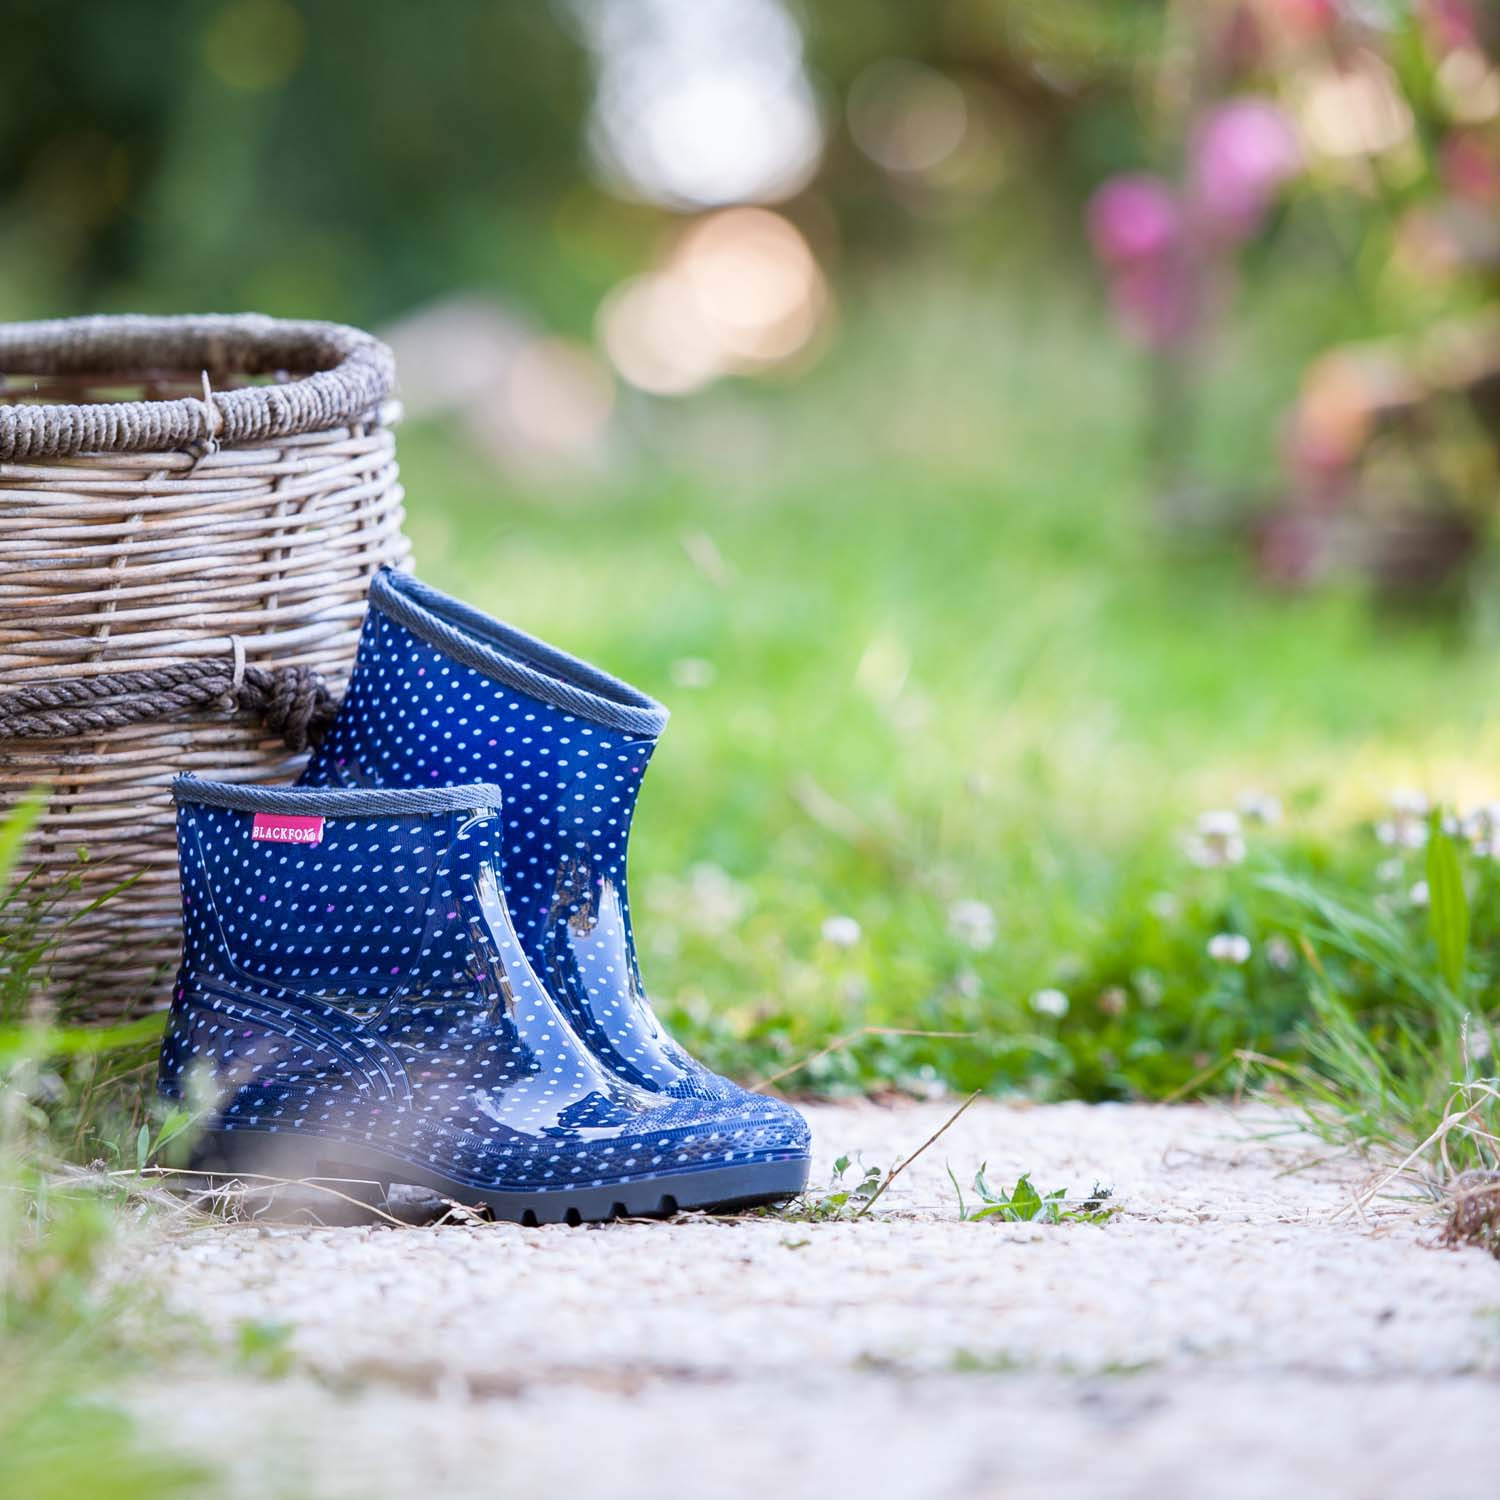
(294, 702)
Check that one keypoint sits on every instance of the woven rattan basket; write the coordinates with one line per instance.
(190, 512)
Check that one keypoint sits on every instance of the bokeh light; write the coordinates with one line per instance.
(525, 400)
(656, 337)
(905, 116)
(756, 282)
(703, 104)
(556, 402)
(255, 44)
(739, 291)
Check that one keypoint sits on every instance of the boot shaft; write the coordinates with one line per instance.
(444, 693)
(353, 899)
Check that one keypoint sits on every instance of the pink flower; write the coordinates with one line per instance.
(1241, 154)
(1153, 301)
(1451, 25)
(1133, 218)
(1305, 18)
(1292, 547)
(1470, 167)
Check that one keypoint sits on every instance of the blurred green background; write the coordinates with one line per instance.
(1002, 430)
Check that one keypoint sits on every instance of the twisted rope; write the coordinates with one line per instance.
(293, 702)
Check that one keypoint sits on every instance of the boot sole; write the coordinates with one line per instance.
(229, 1154)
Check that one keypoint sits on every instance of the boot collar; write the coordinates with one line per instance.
(335, 802)
(508, 655)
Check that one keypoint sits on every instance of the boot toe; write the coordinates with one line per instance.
(684, 1136)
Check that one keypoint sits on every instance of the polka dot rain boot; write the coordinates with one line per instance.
(355, 998)
(441, 692)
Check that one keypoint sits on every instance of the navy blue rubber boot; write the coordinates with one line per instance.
(354, 995)
(442, 693)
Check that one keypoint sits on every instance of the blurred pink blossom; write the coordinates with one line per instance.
(1451, 25)
(1292, 548)
(1307, 18)
(1134, 218)
(1153, 300)
(1242, 42)
(1470, 167)
(1241, 154)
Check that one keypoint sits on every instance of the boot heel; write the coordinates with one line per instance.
(282, 1157)
(286, 1178)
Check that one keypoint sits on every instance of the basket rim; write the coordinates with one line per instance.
(352, 375)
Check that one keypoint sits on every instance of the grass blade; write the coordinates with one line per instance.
(1447, 908)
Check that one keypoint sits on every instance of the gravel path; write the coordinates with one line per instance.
(1222, 1336)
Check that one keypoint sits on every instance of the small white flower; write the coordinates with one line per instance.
(1401, 834)
(1476, 1040)
(694, 672)
(1481, 826)
(1216, 841)
(1390, 870)
(1218, 824)
(1419, 895)
(910, 712)
(842, 932)
(972, 922)
(1259, 807)
(1113, 1001)
(716, 901)
(1280, 954)
(1406, 828)
(1229, 948)
(1050, 1003)
(1163, 906)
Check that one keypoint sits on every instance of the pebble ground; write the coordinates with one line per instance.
(1227, 1334)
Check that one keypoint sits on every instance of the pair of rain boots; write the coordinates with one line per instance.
(417, 966)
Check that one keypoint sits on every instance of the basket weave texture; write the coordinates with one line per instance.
(190, 513)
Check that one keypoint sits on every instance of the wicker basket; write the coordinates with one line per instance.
(190, 512)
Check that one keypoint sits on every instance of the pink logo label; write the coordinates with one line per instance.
(278, 828)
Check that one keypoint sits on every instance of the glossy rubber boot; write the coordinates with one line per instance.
(354, 994)
(443, 693)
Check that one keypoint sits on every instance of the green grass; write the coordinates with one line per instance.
(953, 662)
(1025, 1203)
(70, 1338)
(76, 1329)
(70, 1333)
